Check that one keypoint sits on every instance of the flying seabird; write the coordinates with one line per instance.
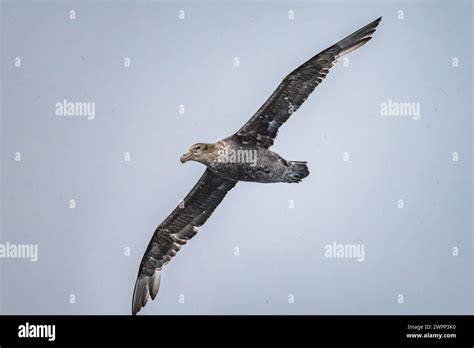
(243, 156)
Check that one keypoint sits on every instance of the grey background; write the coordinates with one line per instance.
(81, 251)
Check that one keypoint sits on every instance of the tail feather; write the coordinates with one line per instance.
(298, 170)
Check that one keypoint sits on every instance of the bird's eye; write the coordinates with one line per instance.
(198, 147)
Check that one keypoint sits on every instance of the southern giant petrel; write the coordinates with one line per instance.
(243, 156)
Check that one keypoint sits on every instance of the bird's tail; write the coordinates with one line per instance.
(297, 171)
(357, 39)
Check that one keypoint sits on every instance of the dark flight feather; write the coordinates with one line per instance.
(262, 128)
(180, 226)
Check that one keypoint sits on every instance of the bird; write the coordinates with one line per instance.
(243, 156)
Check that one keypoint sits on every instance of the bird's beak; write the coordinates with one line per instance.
(186, 157)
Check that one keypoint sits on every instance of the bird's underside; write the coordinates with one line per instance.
(230, 159)
(244, 156)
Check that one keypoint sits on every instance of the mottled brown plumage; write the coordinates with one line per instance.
(244, 156)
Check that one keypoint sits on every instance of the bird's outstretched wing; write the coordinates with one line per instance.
(263, 127)
(180, 226)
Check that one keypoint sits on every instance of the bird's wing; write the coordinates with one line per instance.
(263, 127)
(180, 226)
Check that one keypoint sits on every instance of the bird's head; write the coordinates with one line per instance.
(199, 152)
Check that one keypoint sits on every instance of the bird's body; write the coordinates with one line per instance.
(230, 159)
(243, 156)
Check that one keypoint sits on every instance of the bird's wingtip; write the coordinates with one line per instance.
(375, 22)
(145, 287)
